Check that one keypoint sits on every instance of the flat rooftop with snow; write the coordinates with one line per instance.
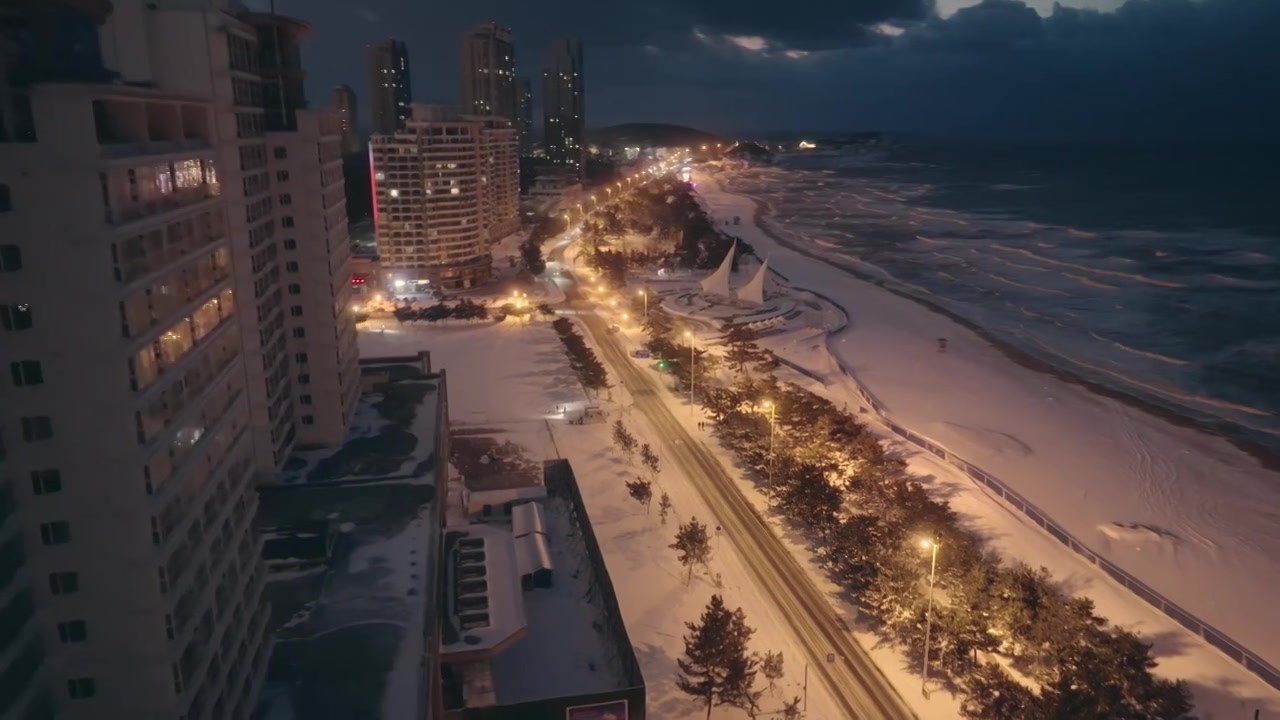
(531, 627)
(352, 542)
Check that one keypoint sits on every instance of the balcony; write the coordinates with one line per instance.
(161, 207)
(151, 148)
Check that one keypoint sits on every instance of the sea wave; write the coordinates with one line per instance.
(1007, 281)
(1097, 271)
(931, 241)
(1242, 283)
(1142, 353)
(1091, 283)
(1186, 397)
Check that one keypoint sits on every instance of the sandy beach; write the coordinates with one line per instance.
(1188, 512)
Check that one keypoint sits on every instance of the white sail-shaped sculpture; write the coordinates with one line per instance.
(717, 283)
(753, 291)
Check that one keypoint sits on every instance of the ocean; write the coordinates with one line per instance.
(1154, 271)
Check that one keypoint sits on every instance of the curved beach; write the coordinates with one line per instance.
(1189, 513)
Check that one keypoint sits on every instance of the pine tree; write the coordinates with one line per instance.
(641, 490)
(623, 438)
(693, 544)
(649, 459)
(791, 709)
(717, 666)
(771, 667)
(664, 507)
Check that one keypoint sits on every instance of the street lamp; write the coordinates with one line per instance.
(928, 615)
(693, 361)
(645, 295)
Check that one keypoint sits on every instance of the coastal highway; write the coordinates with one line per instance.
(858, 688)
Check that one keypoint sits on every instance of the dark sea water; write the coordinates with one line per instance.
(1154, 270)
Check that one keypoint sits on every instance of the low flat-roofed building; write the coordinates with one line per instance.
(353, 539)
(522, 639)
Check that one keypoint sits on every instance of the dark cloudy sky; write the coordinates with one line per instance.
(1156, 69)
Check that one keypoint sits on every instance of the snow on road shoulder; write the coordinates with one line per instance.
(1139, 489)
(512, 380)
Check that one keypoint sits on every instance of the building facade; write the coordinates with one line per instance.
(315, 250)
(126, 416)
(344, 102)
(563, 105)
(148, 337)
(444, 189)
(524, 122)
(390, 93)
(489, 73)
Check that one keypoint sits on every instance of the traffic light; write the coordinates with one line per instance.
(662, 364)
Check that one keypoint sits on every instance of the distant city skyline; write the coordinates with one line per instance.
(1158, 69)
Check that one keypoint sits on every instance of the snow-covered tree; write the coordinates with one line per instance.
(649, 459)
(694, 545)
(623, 438)
(771, 667)
(641, 490)
(664, 507)
(716, 666)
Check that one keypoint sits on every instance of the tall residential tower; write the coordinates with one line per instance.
(524, 122)
(445, 188)
(344, 102)
(146, 219)
(390, 93)
(489, 73)
(563, 105)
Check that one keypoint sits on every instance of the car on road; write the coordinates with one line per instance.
(641, 354)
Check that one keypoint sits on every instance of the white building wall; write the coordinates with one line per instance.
(316, 254)
(142, 409)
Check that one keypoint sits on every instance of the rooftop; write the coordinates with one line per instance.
(573, 642)
(352, 539)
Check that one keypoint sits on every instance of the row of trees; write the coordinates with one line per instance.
(463, 310)
(667, 208)
(718, 667)
(867, 516)
(582, 359)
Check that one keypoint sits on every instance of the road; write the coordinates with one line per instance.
(855, 684)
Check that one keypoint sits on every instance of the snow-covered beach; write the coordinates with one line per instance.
(1187, 513)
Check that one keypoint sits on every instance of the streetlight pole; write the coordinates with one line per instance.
(928, 615)
(644, 294)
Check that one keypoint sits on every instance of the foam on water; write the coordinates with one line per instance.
(1112, 297)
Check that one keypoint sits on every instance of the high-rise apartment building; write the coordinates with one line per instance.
(305, 162)
(390, 94)
(344, 102)
(444, 189)
(563, 107)
(151, 378)
(524, 114)
(489, 73)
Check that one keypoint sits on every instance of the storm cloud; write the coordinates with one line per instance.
(1152, 69)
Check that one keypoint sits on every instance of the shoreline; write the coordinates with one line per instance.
(1266, 457)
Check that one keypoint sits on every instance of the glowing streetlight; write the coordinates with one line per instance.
(644, 294)
(625, 317)
(928, 615)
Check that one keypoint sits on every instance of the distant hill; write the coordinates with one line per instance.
(650, 135)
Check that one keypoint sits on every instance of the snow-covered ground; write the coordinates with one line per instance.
(1188, 514)
(504, 377)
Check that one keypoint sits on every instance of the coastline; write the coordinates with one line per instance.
(1265, 456)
